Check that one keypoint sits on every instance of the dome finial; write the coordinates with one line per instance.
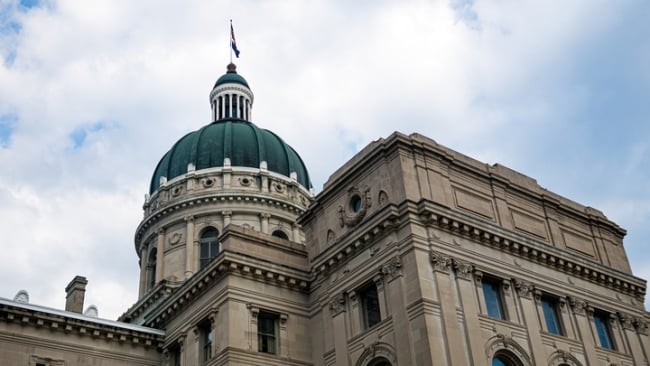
(232, 68)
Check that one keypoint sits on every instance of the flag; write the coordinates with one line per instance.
(233, 43)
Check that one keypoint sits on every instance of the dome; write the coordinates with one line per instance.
(245, 144)
(231, 76)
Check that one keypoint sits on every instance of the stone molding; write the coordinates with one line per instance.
(74, 324)
(218, 268)
(532, 250)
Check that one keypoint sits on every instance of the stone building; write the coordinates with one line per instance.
(412, 254)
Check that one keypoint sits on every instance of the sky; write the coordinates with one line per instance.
(93, 93)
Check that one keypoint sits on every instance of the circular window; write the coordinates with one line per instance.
(355, 203)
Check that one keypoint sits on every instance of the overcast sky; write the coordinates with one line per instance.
(93, 93)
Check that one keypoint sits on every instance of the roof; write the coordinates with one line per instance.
(245, 144)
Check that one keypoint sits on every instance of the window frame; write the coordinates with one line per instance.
(211, 244)
(264, 335)
(551, 306)
(604, 330)
(370, 305)
(206, 334)
(495, 286)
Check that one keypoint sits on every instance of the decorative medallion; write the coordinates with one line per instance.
(355, 210)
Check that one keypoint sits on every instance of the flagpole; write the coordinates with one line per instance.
(230, 40)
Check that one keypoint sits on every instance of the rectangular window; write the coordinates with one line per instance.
(493, 298)
(206, 335)
(175, 355)
(267, 332)
(604, 331)
(369, 299)
(552, 315)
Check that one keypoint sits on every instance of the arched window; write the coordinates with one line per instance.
(151, 268)
(280, 234)
(379, 361)
(209, 246)
(505, 359)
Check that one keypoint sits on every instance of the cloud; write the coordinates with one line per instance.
(96, 92)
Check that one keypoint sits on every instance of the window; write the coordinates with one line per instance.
(151, 268)
(552, 315)
(369, 299)
(209, 246)
(604, 331)
(280, 234)
(503, 358)
(493, 298)
(175, 355)
(206, 334)
(267, 332)
(355, 203)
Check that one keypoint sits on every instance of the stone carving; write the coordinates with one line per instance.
(330, 237)
(441, 262)
(578, 305)
(337, 305)
(245, 181)
(279, 187)
(506, 340)
(524, 289)
(463, 269)
(627, 322)
(641, 326)
(175, 238)
(392, 268)
(207, 182)
(176, 191)
(383, 198)
(359, 201)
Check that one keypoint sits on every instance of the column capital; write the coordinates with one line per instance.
(392, 269)
(524, 288)
(463, 269)
(441, 262)
(337, 305)
(189, 219)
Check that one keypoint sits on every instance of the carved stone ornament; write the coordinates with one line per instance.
(524, 289)
(463, 269)
(392, 268)
(337, 305)
(441, 262)
(641, 326)
(358, 202)
(627, 322)
(175, 238)
(279, 187)
(506, 340)
(207, 182)
(579, 306)
(177, 190)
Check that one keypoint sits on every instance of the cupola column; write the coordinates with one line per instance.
(189, 247)
(160, 255)
(143, 270)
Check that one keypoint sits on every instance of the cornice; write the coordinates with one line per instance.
(203, 200)
(529, 249)
(226, 264)
(82, 326)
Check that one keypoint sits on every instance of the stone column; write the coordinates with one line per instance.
(629, 334)
(264, 222)
(455, 341)
(227, 218)
(181, 349)
(642, 332)
(143, 270)
(160, 255)
(337, 310)
(529, 304)
(295, 233)
(394, 291)
(190, 265)
(584, 318)
(470, 306)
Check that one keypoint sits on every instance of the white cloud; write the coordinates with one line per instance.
(496, 81)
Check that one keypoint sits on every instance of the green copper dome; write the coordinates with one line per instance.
(245, 144)
(231, 76)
